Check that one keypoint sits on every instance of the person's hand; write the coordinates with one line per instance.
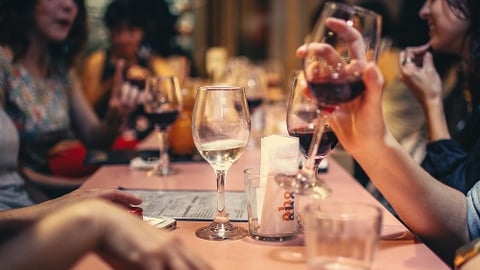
(324, 62)
(116, 196)
(122, 239)
(129, 243)
(359, 124)
(125, 97)
(349, 34)
(418, 72)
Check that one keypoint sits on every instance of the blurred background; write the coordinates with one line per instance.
(257, 29)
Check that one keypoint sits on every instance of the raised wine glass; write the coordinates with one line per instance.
(162, 104)
(302, 114)
(343, 40)
(221, 129)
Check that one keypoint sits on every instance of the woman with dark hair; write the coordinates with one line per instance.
(443, 216)
(127, 23)
(453, 158)
(39, 43)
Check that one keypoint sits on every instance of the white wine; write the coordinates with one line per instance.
(222, 153)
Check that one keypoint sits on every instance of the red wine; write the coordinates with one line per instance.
(254, 103)
(329, 94)
(305, 135)
(163, 119)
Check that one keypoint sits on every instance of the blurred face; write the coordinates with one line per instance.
(447, 31)
(54, 18)
(126, 40)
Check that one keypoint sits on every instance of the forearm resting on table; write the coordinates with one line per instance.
(431, 209)
(54, 242)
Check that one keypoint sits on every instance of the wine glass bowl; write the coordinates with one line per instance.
(333, 64)
(302, 113)
(162, 104)
(221, 130)
(343, 40)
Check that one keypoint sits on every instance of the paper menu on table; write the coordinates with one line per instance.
(196, 205)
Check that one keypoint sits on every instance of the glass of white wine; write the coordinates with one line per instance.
(221, 130)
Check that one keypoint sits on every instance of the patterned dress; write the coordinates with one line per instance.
(38, 107)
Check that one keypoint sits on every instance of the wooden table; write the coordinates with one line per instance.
(398, 250)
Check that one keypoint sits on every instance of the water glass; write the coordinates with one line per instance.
(341, 235)
(266, 221)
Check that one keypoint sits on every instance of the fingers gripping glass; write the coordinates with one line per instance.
(343, 40)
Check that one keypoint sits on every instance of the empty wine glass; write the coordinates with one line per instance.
(302, 114)
(343, 40)
(221, 129)
(162, 104)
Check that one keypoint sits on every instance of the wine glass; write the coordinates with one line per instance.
(343, 40)
(162, 104)
(302, 113)
(221, 129)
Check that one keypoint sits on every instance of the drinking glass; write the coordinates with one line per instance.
(343, 40)
(221, 129)
(162, 104)
(302, 113)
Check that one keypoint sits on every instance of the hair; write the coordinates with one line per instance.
(124, 12)
(17, 20)
(470, 10)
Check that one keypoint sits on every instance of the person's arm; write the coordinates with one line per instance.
(92, 131)
(91, 77)
(12, 221)
(120, 238)
(429, 208)
(425, 83)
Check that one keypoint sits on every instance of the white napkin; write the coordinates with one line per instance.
(279, 154)
(139, 163)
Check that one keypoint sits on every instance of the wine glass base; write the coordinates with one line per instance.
(221, 231)
(300, 184)
(160, 172)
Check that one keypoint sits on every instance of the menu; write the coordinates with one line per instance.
(190, 205)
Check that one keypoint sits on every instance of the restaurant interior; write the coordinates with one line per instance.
(230, 224)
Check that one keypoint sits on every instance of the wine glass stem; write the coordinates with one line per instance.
(221, 216)
(317, 167)
(164, 160)
(309, 167)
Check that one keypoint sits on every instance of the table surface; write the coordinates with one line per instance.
(399, 249)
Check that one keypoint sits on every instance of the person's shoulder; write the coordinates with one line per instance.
(160, 65)
(96, 57)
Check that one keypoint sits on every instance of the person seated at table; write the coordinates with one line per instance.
(443, 216)
(451, 153)
(126, 23)
(122, 240)
(403, 113)
(39, 42)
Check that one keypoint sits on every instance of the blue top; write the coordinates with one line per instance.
(473, 211)
(448, 162)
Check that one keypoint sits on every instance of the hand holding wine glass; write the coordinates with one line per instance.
(221, 129)
(162, 104)
(343, 40)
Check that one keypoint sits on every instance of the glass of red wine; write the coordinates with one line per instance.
(344, 38)
(302, 114)
(162, 104)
